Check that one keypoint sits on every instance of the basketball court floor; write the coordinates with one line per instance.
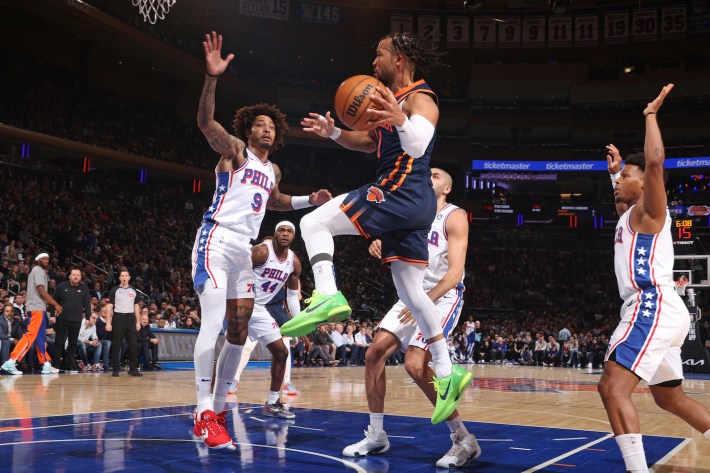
(526, 419)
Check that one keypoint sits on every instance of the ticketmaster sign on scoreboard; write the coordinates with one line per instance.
(576, 166)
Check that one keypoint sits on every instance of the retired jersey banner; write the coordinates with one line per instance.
(274, 9)
(509, 32)
(616, 27)
(644, 25)
(484, 33)
(533, 32)
(559, 31)
(401, 23)
(457, 32)
(586, 29)
(674, 21)
(429, 27)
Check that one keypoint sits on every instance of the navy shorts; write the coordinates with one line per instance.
(401, 219)
(278, 312)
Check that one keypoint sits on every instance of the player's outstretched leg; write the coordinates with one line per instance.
(326, 304)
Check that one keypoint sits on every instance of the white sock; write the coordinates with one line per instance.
(440, 357)
(287, 373)
(456, 427)
(246, 355)
(631, 446)
(273, 397)
(324, 276)
(377, 421)
(227, 364)
(707, 434)
(214, 304)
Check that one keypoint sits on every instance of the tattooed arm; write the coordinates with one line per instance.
(229, 147)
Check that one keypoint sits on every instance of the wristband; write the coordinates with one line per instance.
(614, 178)
(300, 202)
(336, 134)
(649, 113)
(212, 75)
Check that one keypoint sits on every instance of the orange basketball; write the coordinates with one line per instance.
(353, 99)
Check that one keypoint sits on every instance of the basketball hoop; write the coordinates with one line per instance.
(152, 10)
(680, 286)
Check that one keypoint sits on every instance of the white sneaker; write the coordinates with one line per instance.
(47, 368)
(372, 443)
(461, 453)
(9, 366)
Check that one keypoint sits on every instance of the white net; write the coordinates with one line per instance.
(152, 10)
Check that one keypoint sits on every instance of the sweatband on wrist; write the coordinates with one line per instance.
(614, 178)
(300, 202)
(336, 134)
(294, 306)
(415, 134)
(213, 75)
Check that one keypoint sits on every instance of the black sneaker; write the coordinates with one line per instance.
(135, 373)
(277, 409)
(116, 374)
(157, 367)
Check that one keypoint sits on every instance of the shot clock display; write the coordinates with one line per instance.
(683, 229)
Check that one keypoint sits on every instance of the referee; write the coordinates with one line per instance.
(124, 321)
(74, 297)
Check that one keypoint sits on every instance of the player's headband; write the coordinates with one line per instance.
(285, 223)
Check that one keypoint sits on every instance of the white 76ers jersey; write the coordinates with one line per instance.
(240, 196)
(270, 277)
(641, 260)
(439, 249)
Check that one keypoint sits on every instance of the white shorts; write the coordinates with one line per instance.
(224, 256)
(649, 337)
(262, 326)
(449, 307)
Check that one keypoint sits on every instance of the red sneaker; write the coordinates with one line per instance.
(210, 427)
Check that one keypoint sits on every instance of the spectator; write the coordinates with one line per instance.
(148, 345)
(361, 346)
(540, 349)
(526, 356)
(10, 331)
(104, 336)
(552, 355)
(88, 345)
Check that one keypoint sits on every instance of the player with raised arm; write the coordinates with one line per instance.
(397, 208)
(247, 183)
(443, 281)
(654, 320)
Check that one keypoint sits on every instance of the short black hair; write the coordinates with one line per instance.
(636, 159)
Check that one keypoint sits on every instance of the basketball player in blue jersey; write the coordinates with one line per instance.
(247, 184)
(448, 241)
(654, 319)
(397, 208)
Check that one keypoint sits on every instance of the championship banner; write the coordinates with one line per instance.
(586, 29)
(401, 23)
(533, 32)
(616, 27)
(273, 9)
(429, 27)
(674, 21)
(559, 31)
(644, 25)
(484, 33)
(509, 32)
(457, 32)
(699, 16)
(323, 13)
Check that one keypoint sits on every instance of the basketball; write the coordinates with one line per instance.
(352, 100)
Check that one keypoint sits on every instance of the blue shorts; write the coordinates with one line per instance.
(278, 312)
(400, 219)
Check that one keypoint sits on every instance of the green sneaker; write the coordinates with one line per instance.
(448, 392)
(321, 309)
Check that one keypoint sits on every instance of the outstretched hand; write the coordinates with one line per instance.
(387, 109)
(654, 106)
(613, 159)
(320, 125)
(213, 54)
(319, 197)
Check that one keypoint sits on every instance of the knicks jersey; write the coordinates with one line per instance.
(239, 201)
(439, 249)
(270, 277)
(393, 164)
(642, 261)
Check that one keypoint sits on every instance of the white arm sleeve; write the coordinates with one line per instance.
(294, 306)
(415, 134)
